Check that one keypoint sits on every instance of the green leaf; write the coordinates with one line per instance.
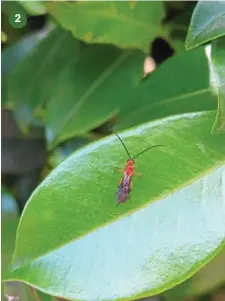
(114, 78)
(9, 7)
(73, 240)
(207, 23)
(219, 125)
(11, 57)
(34, 8)
(44, 297)
(208, 278)
(31, 83)
(85, 85)
(9, 222)
(75, 89)
(125, 24)
(170, 90)
(218, 81)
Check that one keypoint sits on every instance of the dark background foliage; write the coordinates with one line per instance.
(35, 138)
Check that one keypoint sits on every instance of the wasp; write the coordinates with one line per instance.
(125, 186)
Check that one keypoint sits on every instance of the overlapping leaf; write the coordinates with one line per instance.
(170, 90)
(125, 24)
(90, 84)
(218, 80)
(207, 23)
(12, 56)
(33, 81)
(112, 87)
(137, 249)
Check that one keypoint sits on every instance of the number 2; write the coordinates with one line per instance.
(17, 18)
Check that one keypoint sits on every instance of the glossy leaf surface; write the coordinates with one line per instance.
(139, 248)
(207, 23)
(218, 80)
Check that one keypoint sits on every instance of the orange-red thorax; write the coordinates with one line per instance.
(129, 169)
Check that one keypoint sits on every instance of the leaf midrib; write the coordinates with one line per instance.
(167, 101)
(44, 62)
(163, 195)
(95, 85)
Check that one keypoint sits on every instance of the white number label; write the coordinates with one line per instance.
(17, 18)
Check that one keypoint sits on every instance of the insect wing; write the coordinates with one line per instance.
(123, 193)
(124, 189)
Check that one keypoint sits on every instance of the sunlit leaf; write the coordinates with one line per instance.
(207, 23)
(72, 233)
(218, 73)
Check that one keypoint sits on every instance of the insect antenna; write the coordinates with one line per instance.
(123, 145)
(147, 150)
